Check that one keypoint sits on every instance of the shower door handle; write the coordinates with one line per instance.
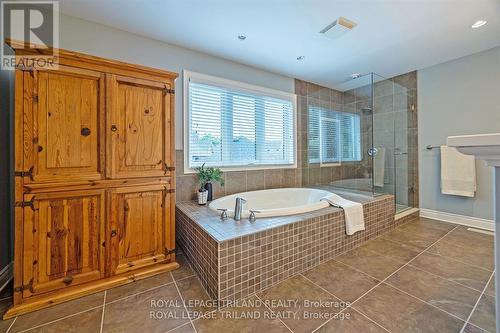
(372, 151)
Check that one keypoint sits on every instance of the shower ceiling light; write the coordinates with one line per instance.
(478, 24)
(300, 58)
(242, 37)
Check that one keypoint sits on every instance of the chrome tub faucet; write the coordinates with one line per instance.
(238, 208)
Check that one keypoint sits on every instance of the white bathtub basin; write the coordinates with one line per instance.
(276, 202)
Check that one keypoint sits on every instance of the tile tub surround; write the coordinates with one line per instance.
(237, 259)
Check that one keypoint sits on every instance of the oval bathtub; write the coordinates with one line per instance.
(275, 202)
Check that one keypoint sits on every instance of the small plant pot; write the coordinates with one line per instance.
(202, 197)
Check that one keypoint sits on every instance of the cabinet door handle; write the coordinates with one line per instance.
(67, 280)
(85, 131)
(114, 128)
(113, 233)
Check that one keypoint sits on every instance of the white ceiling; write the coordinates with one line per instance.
(392, 36)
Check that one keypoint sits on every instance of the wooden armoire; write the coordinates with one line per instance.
(94, 177)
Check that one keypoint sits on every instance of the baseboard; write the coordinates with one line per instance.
(470, 221)
(406, 213)
(6, 275)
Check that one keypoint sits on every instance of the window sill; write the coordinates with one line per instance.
(188, 171)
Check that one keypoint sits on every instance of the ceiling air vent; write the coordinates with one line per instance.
(338, 28)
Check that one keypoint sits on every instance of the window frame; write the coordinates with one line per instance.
(189, 76)
(320, 129)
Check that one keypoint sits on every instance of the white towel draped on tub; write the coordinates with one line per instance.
(353, 211)
(458, 173)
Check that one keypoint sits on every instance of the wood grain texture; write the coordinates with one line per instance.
(139, 132)
(65, 125)
(63, 246)
(84, 182)
(18, 182)
(137, 221)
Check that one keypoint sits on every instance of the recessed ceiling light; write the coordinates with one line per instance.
(478, 24)
(242, 37)
(355, 75)
(299, 58)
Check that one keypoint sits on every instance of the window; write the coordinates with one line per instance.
(237, 126)
(333, 136)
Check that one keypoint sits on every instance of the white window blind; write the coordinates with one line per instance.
(333, 136)
(228, 126)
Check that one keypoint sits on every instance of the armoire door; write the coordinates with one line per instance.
(139, 231)
(63, 236)
(63, 125)
(139, 128)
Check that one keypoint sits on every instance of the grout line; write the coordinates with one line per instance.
(103, 308)
(176, 328)
(407, 293)
(401, 243)
(194, 328)
(344, 309)
(62, 318)
(317, 285)
(373, 321)
(378, 284)
(11, 324)
(150, 289)
(492, 276)
(395, 287)
(402, 266)
(462, 262)
(444, 278)
(183, 303)
(281, 321)
(409, 264)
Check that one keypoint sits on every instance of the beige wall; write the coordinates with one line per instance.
(96, 39)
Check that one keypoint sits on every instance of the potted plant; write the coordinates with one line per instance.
(205, 178)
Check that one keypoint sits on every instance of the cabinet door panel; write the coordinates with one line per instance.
(140, 128)
(63, 236)
(139, 230)
(66, 124)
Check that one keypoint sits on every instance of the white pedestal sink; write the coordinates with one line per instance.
(486, 147)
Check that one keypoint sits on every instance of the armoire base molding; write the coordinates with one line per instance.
(50, 299)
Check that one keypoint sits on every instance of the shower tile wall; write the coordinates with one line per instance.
(309, 94)
(407, 84)
(235, 181)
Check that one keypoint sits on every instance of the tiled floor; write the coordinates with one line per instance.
(424, 276)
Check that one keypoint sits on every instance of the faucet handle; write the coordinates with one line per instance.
(223, 214)
(252, 217)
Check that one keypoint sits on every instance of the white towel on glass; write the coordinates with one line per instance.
(379, 167)
(458, 173)
(353, 211)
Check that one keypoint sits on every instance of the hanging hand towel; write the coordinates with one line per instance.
(353, 211)
(458, 173)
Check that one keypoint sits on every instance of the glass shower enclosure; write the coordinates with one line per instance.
(366, 136)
